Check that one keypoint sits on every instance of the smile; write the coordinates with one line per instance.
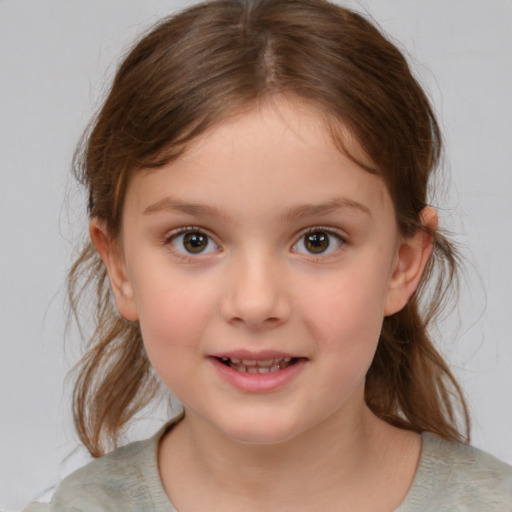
(257, 365)
(262, 372)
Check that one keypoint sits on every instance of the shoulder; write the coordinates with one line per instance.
(107, 478)
(126, 479)
(459, 478)
(112, 482)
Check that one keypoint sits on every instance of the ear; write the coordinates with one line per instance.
(412, 257)
(111, 253)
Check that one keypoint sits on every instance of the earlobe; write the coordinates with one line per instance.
(112, 256)
(412, 257)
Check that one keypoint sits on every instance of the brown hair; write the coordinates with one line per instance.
(195, 69)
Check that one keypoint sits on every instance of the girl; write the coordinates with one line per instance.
(262, 246)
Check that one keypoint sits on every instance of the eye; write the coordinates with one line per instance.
(318, 241)
(192, 241)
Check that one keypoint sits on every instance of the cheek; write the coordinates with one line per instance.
(347, 339)
(173, 317)
(345, 316)
(357, 297)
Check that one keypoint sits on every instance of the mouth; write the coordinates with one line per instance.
(258, 366)
(261, 372)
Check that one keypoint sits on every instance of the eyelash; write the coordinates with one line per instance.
(331, 233)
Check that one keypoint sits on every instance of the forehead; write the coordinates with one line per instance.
(278, 153)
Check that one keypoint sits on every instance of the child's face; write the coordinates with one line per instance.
(263, 243)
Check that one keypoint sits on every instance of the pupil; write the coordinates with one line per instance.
(317, 242)
(195, 242)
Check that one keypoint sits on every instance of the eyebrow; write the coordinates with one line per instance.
(332, 206)
(295, 212)
(170, 204)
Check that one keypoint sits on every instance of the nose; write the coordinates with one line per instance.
(256, 294)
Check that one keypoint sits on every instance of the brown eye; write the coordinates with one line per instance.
(316, 242)
(193, 242)
(319, 242)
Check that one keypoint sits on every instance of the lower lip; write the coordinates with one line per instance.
(258, 382)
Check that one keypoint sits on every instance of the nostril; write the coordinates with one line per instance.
(257, 323)
(255, 308)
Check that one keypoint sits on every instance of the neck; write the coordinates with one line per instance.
(257, 466)
(337, 457)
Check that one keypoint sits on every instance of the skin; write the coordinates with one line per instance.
(255, 188)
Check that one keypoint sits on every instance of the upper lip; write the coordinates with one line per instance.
(262, 355)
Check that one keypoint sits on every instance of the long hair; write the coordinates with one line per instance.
(194, 70)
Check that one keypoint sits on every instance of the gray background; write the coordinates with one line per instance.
(56, 57)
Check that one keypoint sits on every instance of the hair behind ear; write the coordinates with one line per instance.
(409, 384)
(114, 377)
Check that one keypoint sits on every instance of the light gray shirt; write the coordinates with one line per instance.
(451, 477)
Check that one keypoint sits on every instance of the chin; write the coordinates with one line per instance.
(261, 431)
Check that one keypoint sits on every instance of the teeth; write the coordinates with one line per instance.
(257, 365)
(266, 362)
